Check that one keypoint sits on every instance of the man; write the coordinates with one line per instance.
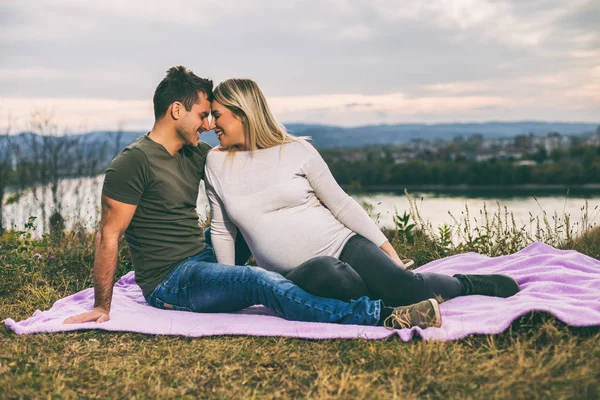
(150, 193)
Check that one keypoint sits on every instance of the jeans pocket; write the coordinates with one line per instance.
(172, 278)
(167, 306)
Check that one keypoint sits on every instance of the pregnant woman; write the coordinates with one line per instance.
(278, 191)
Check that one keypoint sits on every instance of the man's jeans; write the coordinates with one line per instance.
(200, 284)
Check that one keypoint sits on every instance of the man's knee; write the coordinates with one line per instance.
(260, 275)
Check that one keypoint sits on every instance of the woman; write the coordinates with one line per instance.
(277, 190)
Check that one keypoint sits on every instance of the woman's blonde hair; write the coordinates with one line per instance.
(244, 98)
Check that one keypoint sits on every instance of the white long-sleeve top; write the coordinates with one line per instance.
(272, 195)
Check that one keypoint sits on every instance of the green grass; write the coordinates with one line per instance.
(538, 357)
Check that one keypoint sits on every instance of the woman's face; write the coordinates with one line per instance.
(228, 126)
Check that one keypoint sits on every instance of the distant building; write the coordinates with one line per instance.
(485, 156)
(355, 156)
(556, 141)
(525, 163)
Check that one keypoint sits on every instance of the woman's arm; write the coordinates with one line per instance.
(222, 230)
(344, 208)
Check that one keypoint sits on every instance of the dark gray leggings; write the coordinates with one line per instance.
(363, 269)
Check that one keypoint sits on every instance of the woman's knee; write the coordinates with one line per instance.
(329, 277)
(329, 267)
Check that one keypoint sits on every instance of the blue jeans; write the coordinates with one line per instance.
(200, 284)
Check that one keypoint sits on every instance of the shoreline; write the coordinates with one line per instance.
(593, 187)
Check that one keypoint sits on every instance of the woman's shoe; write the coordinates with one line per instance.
(488, 285)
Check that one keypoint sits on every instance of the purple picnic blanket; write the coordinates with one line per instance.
(563, 283)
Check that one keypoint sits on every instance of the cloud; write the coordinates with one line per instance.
(543, 53)
(514, 23)
(442, 104)
(77, 114)
(358, 105)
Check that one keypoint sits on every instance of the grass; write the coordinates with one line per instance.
(537, 357)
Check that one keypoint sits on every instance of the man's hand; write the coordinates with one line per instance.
(98, 314)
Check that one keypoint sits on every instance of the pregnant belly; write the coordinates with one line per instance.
(282, 247)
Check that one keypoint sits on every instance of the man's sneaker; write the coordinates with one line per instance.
(488, 285)
(424, 314)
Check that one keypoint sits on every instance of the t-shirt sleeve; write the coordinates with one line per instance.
(204, 148)
(343, 207)
(127, 176)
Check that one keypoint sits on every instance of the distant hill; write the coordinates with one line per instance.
(334, 136)
(325, 136)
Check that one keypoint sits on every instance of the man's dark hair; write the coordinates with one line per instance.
(180, 85)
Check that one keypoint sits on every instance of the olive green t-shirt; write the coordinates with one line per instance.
(164, 229)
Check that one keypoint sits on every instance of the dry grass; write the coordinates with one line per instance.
(538, 357)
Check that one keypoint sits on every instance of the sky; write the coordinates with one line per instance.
(90, 65)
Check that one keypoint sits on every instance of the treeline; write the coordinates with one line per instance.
(37, 162)
(575, 166)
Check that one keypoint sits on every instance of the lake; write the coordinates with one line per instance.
(80, 198)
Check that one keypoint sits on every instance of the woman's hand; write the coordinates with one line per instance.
(389, 250)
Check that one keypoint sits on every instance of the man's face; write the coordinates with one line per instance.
(192, 123)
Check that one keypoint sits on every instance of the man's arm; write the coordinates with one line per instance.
(116, 216)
